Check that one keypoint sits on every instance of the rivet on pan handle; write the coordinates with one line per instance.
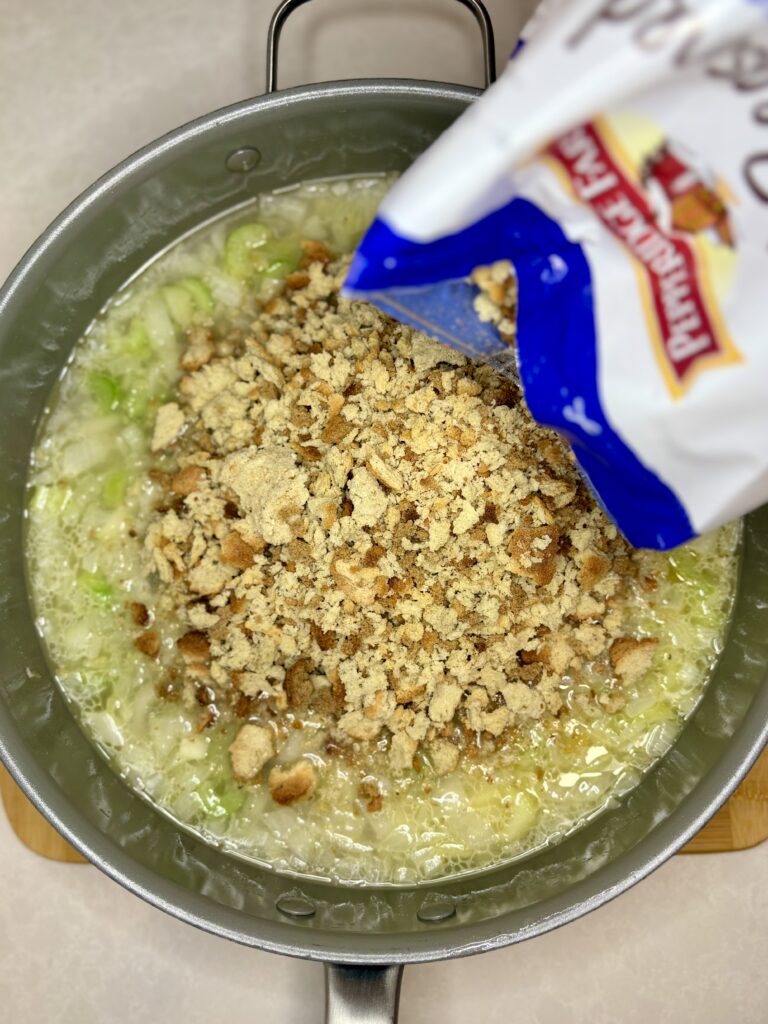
(287, 7)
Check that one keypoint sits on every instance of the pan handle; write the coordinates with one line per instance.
(287, 7)
(362, 995)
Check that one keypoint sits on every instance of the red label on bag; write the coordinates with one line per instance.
(687, 332)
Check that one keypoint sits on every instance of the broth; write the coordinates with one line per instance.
(93, 500)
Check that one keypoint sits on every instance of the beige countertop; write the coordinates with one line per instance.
(82, 84)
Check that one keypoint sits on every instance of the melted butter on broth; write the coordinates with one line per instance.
(89, 503)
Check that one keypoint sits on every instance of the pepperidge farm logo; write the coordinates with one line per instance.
(661, 212)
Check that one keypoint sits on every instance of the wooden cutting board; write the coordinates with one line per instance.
(31, 827)
(742, 823)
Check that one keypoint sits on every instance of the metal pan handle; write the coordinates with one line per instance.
(287, 7)
(362, 995)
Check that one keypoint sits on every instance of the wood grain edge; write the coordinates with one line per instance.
(31, 827)
(743, 822)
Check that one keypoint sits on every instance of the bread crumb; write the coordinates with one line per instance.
(139, 613)
(169, 423)
(298, 684)
(632, 658)
(187, 480)
(291, 783)
(235, 551)
(401, 752)
(194, 646)
(466, 518)
(427, 354)
(253, 746)
(369, 502)
(384, 473)
(612, 701)
(148, 643)
(200, 618)
(496, 302)
(446, 699)
(199, 349)
(369, 791)
(270, 487)
(439, 532)
(533, 553)
(444, 756)
(361, 584)
(208, 577)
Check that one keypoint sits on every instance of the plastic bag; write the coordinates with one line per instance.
(621, 163)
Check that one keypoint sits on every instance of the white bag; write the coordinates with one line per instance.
(621, 163)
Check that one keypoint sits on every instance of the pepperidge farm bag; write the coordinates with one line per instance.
(621, 163)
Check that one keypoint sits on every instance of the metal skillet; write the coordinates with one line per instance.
(365, 934)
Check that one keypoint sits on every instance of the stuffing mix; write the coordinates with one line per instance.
(362, 529)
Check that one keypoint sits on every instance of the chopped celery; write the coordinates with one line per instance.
(185, 299)
(242, 252)
(200, 292)
(113, 488)
(133, 342)
(522, 810)
(193, 748)
(222, 797)
(180, 304)
(158, 323)
(137, 404)
(106, 730)
(52, 499)
(286, 251)
(96, 585)
(136, 340)
(39, 498)
(105, 390)
(281, 258)
(276, 272)
(225, 289)
(278, 269)
(191, 805)
(232, 798)
(346, 222)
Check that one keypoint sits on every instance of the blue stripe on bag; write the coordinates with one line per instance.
(421, 284)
